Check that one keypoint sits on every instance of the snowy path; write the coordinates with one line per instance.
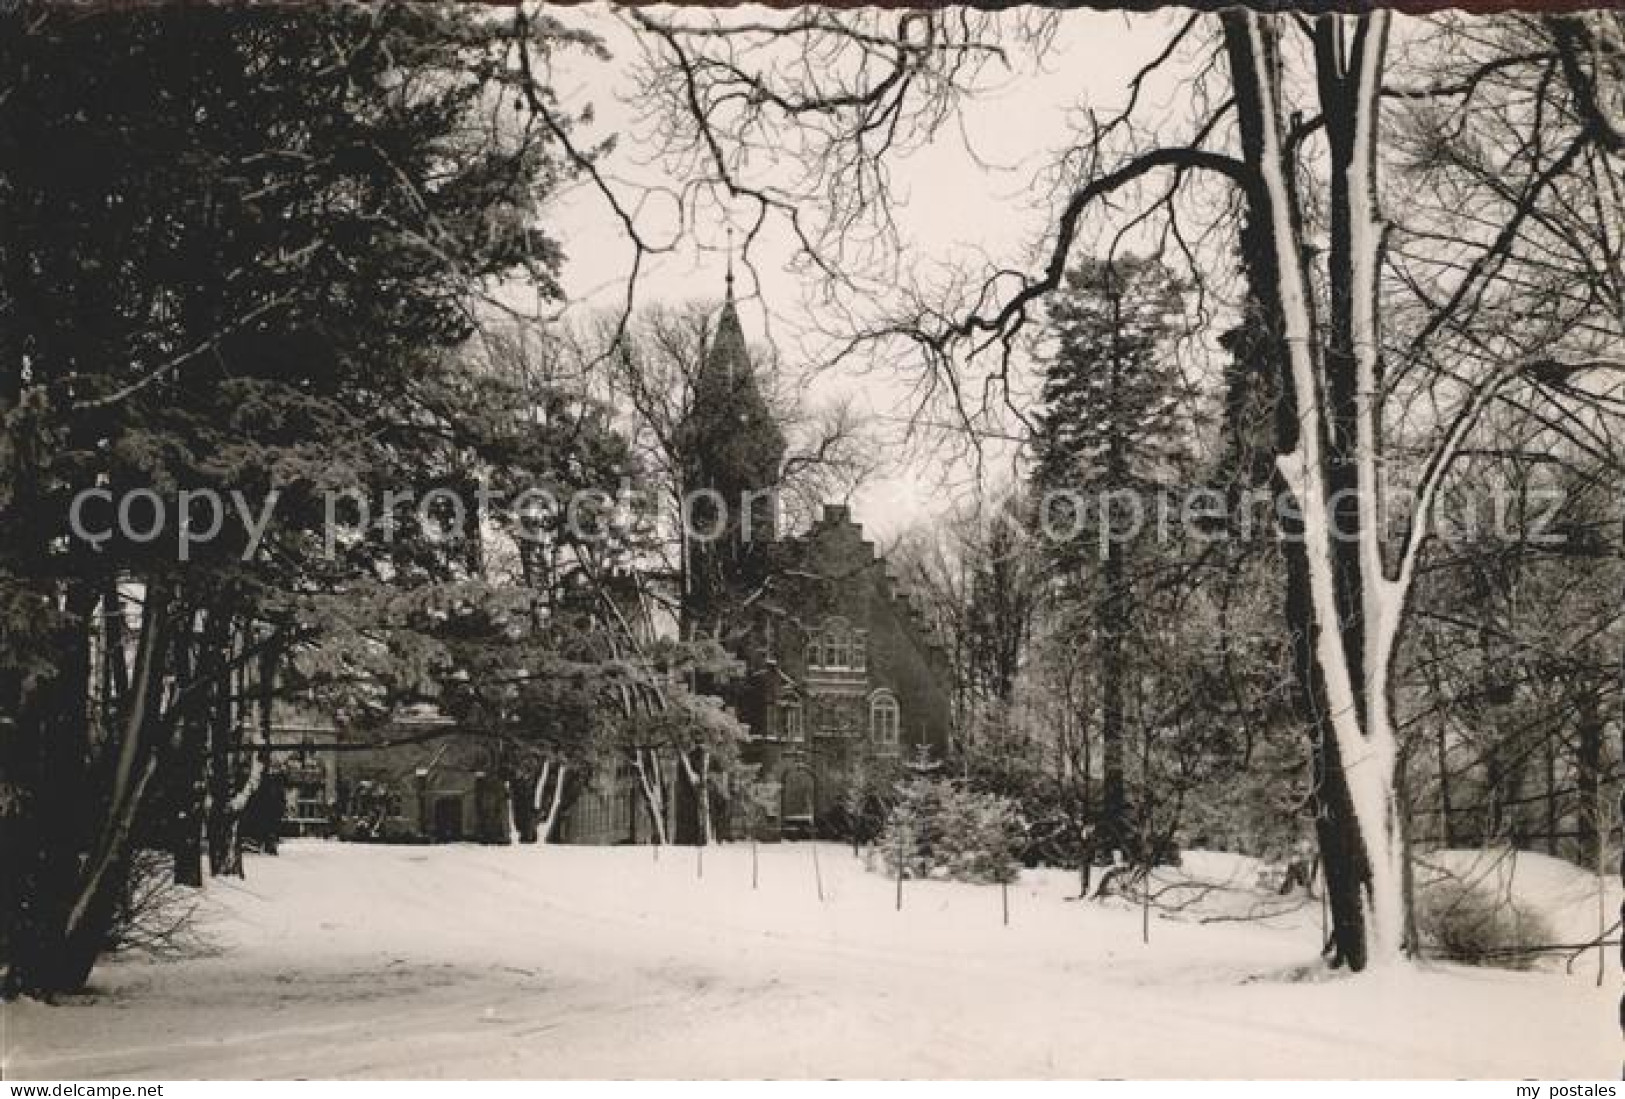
(351, 961)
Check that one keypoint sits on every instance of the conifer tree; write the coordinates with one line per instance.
(1112, 438)
(239, 246)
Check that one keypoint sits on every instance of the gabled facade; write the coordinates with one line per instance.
(844, 680)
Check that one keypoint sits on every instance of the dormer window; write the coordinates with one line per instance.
(884, 720)
(836, 646)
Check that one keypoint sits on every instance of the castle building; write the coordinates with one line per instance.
(843, 679)
(845, 683)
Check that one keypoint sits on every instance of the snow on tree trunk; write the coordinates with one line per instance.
(541, 784)
(130, 776)
(705, 796)
(1351, 648)
(652, 794)
(544, 830)
(699, 780)
(251, 783)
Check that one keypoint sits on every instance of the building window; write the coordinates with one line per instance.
(883, 720)
(837, 646)
(791, 714)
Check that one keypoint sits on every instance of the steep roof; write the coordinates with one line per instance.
(735, 435)
(727, 358)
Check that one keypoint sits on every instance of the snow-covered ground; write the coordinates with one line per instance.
(338, 960)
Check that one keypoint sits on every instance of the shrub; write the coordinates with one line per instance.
(155, 916)
(938, 830)
(1463, 922)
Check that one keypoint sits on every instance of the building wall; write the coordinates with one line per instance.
(436, 787)
(605, 808)
(308, 778)
(830, 572)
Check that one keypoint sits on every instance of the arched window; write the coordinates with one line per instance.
(883, 720)
(836, 645)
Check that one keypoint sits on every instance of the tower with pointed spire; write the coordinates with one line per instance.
(840, 677)
(732, 449)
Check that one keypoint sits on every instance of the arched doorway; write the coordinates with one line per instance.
(796, 803)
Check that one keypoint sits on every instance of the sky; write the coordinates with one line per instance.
(975, 190)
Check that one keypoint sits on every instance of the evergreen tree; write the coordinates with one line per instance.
(1114, 436)
(239, 245)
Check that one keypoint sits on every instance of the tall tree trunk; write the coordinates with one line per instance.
(1493, 827)
(1446, 810)
(709, 826)
(242, 795)
(215, 663)
(527, 805)
(74, 864)
(271, 825)
(651, 784)
(1549, 747)
(1514, 817)
(1345, 609)
(188, 775)
(1086, 831)
(1343, 857)
(1587, 779)
(1112, 831)
(544, 830)
(47, 832)
(699, 781)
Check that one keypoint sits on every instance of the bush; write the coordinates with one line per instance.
(155, 916)
(1463, 922)
(941, 831)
